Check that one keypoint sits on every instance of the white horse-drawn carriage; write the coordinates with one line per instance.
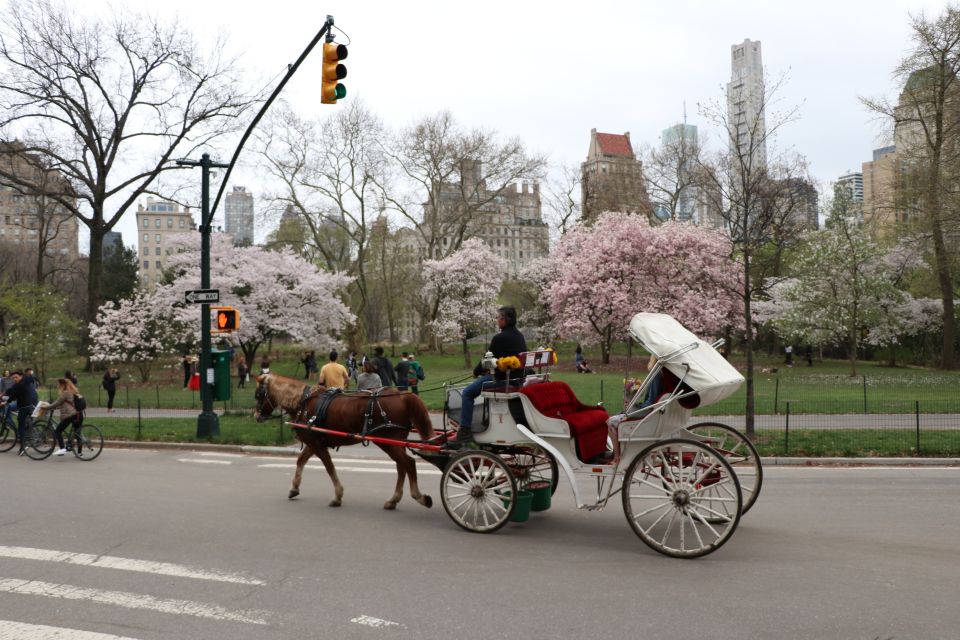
(683, 487)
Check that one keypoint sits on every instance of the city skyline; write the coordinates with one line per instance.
(644, 63)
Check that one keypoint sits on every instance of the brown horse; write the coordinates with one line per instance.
(346, 413)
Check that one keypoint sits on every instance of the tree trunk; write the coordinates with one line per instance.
(749, 409)
(466, 353)
(948, 357)
(94, 288)
(852, 346)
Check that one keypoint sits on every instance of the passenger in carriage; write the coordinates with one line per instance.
(630, 388)
(509, 342)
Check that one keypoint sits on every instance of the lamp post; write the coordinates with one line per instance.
(208, 424)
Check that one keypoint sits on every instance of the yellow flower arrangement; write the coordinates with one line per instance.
(553, 355)
(510, 362)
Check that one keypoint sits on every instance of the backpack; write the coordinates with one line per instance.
(79, 403)
(420, 374)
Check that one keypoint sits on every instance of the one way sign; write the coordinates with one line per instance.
(202, 296)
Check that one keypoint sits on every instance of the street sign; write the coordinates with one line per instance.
(202, 295)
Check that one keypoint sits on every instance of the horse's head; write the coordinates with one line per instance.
(265, 404)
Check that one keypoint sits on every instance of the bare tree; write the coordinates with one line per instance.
(108, 104)
(760, 199)
(927, 133)
(562, 200)
(330, 172)
(673, 174)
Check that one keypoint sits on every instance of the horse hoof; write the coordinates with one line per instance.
(293, 494)
(390, 506)
(427, 502)
(335, 503)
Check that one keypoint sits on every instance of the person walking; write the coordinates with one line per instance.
(789, 355)
(241, 373)
(369, 380)
(384, 368)
(185, 363)
(352, 364)
(67, 403)
(509, 342)
(402, 370)
(416, 374)
(24, 393)
(109, 383)
(334, 375)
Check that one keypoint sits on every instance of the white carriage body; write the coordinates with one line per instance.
(702, 377)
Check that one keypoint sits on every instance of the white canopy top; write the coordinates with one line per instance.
(710, 375)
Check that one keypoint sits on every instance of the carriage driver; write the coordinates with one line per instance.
(509, 342)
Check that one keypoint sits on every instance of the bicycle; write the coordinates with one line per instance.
(84, 440)
(8, 431)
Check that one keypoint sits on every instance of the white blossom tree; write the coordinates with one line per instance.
(465, 285)
(275, 292)
(139, 331)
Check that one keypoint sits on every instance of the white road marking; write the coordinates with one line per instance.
(376, 623)
(319, 467)
(123, 564)
(222, 455)
(128, 600)
(200, 461)
(23, 631)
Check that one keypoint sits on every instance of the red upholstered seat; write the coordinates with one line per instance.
(587, 424)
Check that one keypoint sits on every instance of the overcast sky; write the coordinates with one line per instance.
(550, 71)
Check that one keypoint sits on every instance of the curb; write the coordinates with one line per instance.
(771, 461)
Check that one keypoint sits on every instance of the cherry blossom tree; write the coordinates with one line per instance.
(465, 285)
(276, 293)
(621, 265)
(139, 331)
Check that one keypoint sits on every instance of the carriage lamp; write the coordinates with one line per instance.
(331, 89)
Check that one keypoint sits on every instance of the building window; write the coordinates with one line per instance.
(158, 237)
(156, 264)
(182, 223)
(158, 223)
(146, 237)
(146, 223)
(158, 251)
(146, 264)
(169, 223)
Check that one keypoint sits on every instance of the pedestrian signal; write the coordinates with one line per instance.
(330, 88)
(225, 320)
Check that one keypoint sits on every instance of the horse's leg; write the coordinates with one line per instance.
(422, 498)
(305, 454)
(324, 455)
(398, 455)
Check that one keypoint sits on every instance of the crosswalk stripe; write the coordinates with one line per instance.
(319, 467)
(22, 631)
(123, 564)
(200, 461)
(128, 600)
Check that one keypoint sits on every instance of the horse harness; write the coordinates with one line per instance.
(319, 417)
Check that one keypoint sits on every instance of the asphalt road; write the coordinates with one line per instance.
(147, 545)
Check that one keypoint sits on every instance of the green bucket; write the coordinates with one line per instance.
(541, 491)
(521, 512)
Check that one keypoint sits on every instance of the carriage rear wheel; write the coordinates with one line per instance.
(739, 452)
(530, 463)
(479, 491)
(682, 498)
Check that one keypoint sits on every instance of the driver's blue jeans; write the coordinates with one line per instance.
(470, 394)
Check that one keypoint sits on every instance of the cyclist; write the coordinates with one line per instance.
(66, 402)
(24, 393)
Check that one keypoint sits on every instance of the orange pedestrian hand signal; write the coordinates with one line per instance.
(226, 320)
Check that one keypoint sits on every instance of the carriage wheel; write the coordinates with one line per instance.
(739, 452)
(682, 498)
(478, 491)
(531, 463)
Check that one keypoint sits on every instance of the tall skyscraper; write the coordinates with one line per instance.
(159, 223)
(852, 181)
(238, 211)
(745, 103)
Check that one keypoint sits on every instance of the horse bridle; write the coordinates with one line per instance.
(262, 398)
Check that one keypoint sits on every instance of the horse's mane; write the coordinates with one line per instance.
(284, 392)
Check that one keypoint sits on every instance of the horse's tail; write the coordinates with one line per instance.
(419, 416)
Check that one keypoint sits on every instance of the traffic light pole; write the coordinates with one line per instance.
(208, 425)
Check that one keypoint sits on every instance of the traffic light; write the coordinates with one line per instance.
(330, 88)
(225, 320)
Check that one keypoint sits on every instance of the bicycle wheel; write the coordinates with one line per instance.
(39, 440)
(8, 437)
(87, 442)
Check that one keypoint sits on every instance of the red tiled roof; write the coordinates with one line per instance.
(612, 144)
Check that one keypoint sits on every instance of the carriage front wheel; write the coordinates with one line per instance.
(478, 491)
(682, 498)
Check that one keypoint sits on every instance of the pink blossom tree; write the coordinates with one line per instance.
(276, 293)
(138, 331)
(621, 265)
(465, 286)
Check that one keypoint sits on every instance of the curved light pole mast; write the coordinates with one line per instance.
(208, 424)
